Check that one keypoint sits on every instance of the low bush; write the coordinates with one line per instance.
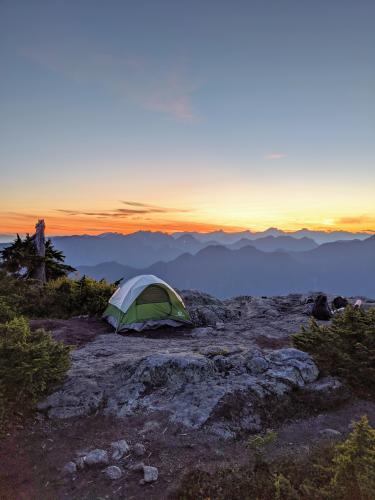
(32, 363)
(64, 297)
(60, 298)
(342, 472)
(345, 347)
(11, 294)
(353, 466)
(6, 311)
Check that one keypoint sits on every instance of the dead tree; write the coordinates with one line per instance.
(40, 245)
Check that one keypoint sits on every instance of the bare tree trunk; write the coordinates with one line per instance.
(40, 244)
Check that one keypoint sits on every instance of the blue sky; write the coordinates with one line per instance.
(240, 114)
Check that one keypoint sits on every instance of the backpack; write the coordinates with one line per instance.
(339, 302)
(321, 309)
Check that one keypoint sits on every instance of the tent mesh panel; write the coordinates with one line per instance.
(153, 294)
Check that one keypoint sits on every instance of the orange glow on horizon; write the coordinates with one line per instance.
(68, 225)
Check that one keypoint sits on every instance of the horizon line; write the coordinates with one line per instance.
(222, 230)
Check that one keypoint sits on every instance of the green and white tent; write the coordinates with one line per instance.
(145, 302)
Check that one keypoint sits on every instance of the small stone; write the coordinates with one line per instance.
(137, 467)
(203, 331)
(220, 325)
(330, 434)
(113, 472)
(69, 468)
(150, 474)
(139, 449)
(96, 457)
(80, 462)
(150, 426)
(119, 449)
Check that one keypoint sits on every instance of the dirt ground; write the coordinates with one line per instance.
(33, 454)
(32, 457)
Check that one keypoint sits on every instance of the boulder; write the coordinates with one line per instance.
(188, 385)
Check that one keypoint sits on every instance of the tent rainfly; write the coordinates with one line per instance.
(145, 302)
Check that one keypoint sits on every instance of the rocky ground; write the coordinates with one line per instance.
(138, 410)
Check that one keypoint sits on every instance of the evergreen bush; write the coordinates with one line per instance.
(344, 348)
(32, 363)
(60, 298)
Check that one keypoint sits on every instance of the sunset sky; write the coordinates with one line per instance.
(187, 115)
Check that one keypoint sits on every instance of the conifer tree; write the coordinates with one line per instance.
(21, 259)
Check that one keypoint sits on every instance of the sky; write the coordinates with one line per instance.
(172, 115)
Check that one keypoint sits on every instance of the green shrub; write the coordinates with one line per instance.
(342, 472)
(60, 298)
(353, 466)
(345, 347)
(6, 311)
(32, 363)
(11, 293)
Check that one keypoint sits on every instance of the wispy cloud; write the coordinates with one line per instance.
(154, 207)
(141, 209)
(356, 220)
(108, 214)
(167, 90)
(275, 156)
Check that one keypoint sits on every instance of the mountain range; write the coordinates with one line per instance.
(342, 267)
(144, 248)
(271, 262)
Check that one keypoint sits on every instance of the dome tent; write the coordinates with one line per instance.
(144, 302)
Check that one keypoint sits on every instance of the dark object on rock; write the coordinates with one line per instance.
(321, 309)
(339, 302)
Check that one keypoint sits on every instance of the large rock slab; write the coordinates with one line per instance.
(190, 382)
(234, 371)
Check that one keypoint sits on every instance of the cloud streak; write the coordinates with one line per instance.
(140, 209)
(154, 207)
(356, 220)
(275, 156)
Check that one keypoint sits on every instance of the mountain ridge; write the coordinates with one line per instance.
(344, 267)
